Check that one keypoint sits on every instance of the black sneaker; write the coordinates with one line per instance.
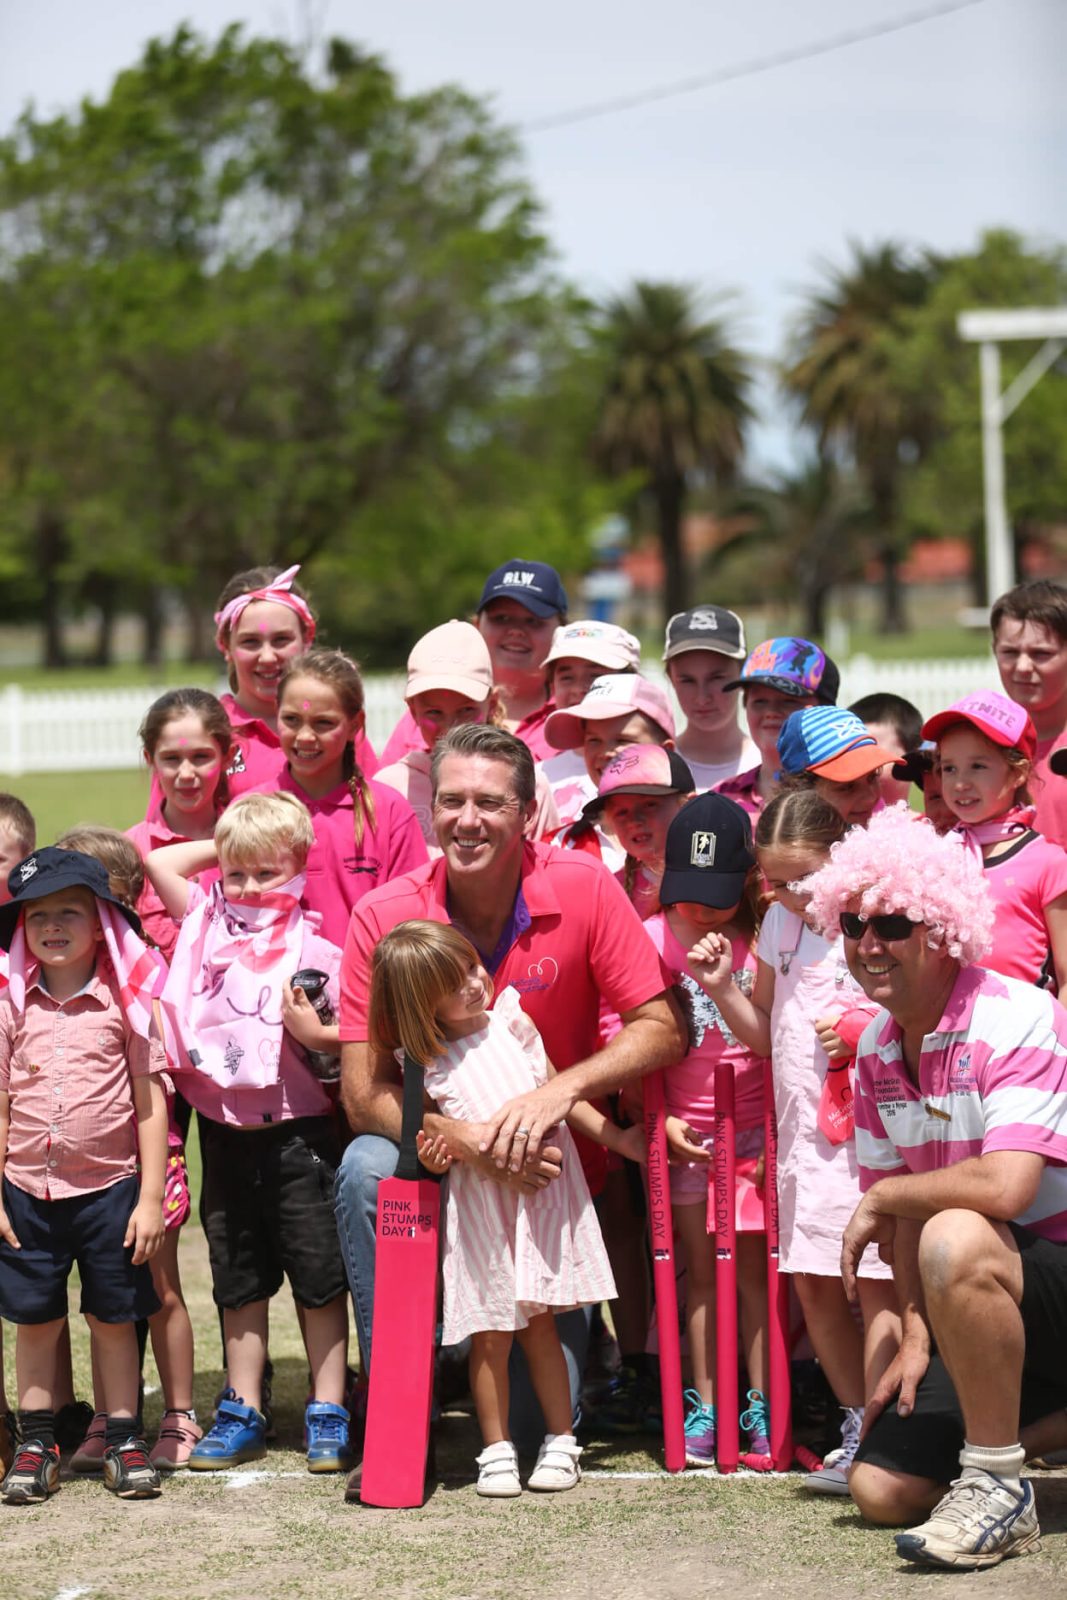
(129, 1473)
(72, 1424)
(34, 1474)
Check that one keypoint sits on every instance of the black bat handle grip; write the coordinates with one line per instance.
(408, 1166)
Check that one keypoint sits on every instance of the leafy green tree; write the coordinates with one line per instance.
(295, 297)
(841, 369)
(674, 407)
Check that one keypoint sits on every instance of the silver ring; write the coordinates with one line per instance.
(524, 1131)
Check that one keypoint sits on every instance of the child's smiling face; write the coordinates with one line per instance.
(62, 929)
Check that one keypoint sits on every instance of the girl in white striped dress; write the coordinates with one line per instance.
(511, 1259)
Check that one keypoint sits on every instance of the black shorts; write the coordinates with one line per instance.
(267, 1210)
(928, 1443)
(54, 1234)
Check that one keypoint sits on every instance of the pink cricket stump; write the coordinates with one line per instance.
(779, 1398)
(661, 1232)
(726, 1419)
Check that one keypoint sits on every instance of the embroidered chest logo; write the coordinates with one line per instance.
(539, 975)
(237, 764)
(961, 1080)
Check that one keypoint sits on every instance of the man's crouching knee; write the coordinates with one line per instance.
(892, 1499)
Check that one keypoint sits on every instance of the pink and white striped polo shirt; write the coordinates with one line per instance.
(992, 1076)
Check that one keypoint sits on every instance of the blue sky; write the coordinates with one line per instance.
(927, 135)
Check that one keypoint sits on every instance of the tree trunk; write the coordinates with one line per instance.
(670, 499)
(104, 648)
(152, 628)
(816, 597)
(894, 619)
(51, 551)
(196, 642)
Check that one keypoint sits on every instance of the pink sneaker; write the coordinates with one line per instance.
(178, 1432)
(89, 1456)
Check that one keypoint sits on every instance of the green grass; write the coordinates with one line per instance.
(947, 643)
(123, 675)
(58, 800)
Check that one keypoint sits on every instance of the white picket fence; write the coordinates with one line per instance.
(87, 730)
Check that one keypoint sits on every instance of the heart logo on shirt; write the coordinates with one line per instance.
(546, 969)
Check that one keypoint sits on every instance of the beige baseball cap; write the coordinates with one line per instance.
(453, 656)
(603, 643)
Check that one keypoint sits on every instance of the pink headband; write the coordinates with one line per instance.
(280, 591)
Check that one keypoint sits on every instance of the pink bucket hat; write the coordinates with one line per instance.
(993, 714)
(616, 694)
(453, 656)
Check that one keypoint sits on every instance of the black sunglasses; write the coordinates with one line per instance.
(853, 926)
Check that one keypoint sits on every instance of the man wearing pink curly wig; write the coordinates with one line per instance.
(961, 1142)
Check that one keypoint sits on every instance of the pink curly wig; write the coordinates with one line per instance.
(898, 863)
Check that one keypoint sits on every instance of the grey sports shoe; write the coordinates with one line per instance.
(833, 1477)
(976, 1524)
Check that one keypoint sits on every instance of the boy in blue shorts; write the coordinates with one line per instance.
(81, 1107)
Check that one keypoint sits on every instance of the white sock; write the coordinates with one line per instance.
(999, 1461)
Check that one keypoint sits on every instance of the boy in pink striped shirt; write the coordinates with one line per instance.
(961, 1138)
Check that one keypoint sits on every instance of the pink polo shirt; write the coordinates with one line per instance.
(152, 834)
(1049, 792)
(743, 791)
(411, 777)
(406, 736)
(340, 872)
(257, 759)
(67, 1070)
(583, 940)
(1024, 880)
(297, 1092)
(992, 1076)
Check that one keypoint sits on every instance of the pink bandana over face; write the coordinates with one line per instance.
(223, 995)
(278, 590)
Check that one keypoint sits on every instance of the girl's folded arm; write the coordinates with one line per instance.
(170, 867)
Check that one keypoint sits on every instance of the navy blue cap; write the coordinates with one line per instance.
(534, 584)
(709, 853)
(49, 871)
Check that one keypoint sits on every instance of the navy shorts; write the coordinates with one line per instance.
(928, 1443)
(86, 1229)
(267, 1210)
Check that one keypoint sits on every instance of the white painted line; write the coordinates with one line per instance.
(73, 1594)
(241, 1477)
(244, 1477)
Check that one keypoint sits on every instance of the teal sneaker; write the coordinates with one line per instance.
(326, 1437)
(699, 1431)
(239, 1434)
(757, 1424)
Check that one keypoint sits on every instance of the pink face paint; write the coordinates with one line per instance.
(307, 705)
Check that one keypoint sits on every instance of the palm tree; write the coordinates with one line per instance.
(842, 371)
(674, 406)
(815, 521)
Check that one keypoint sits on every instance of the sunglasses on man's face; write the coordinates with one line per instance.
(853, 926)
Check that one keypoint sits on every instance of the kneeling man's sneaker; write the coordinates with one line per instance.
(977, 1524)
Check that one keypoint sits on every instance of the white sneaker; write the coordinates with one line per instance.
(557, 1464)
(498, 1471)
(833, 1478)
(977, 1524)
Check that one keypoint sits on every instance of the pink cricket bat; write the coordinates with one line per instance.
(780, 1398)
(661, 1233)
(726, 1432)
(400, 1393)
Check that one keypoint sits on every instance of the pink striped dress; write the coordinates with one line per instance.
(509, 1256)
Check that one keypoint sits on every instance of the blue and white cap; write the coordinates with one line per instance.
(831, 742)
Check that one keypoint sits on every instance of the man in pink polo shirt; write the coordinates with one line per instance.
(961, 1143)
(1030, 645)
(553, 925)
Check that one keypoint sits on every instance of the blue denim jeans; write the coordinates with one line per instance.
(366, 1161)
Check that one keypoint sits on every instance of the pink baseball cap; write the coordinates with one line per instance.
(454, 656)
(641, 769)
(616, 694)
(1000, 719)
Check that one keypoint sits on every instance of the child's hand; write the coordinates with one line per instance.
(683, 1142)
(433, 1153)
(144, 1230)
(300, 1018)
(632, 1144)
(7, 1232)
(711, 961)
(831, 1040)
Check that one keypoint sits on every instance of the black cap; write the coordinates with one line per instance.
(1058, 762)
(705, 628)
(914, 766)
(709, 853)
(534, 584)
(49, 871)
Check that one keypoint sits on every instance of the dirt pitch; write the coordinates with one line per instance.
(270, 1531)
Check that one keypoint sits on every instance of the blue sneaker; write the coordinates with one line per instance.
(757, 1424)
(326, 1437)
(699, 1431)
(239, 1434)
